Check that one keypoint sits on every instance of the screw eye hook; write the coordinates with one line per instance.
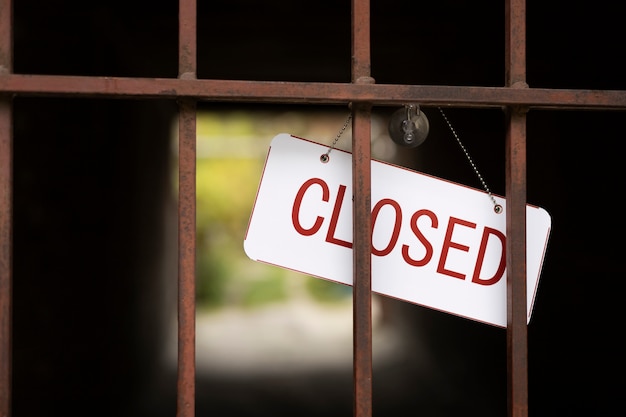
(408, 126)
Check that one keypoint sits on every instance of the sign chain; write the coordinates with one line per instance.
(496, 207)
(325, 157)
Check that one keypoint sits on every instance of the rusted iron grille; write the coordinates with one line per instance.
(516, 97)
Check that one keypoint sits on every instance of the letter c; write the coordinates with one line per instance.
(298, 202)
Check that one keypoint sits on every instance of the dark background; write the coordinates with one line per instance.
(91, 194)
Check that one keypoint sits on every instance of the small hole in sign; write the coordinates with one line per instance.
(324, 158)
(497, 208)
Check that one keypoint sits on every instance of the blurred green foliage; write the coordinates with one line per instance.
(327, 291)
(229, 167)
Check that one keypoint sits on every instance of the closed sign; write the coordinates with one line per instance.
(434, 243)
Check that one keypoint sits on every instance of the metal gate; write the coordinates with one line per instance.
(516, 97)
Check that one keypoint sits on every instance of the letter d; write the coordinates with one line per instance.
(481, 257)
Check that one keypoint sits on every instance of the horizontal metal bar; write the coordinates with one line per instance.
(311, 93)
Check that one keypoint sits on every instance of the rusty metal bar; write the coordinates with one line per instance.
(361, 211)
(186, 386)
(6, 210)
(515, 43)
(362, 266)
(312, 93)
(517, 330)
(361, 48)
(187, 39)
(186, 260)
(6, 239)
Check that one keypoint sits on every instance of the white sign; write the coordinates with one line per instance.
(434, 243)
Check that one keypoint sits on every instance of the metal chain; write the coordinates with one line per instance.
(326, 156)
(496, 207)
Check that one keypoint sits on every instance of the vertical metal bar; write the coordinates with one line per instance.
(6, 240)
(6, 195)
(515, 43)
(186, 259)
(187, 39)
(362, 253)
(517, 331)
(361, 54)
(362, 206)
(186, 386)
(6, 210)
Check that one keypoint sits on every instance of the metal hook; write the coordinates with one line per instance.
(409, 126)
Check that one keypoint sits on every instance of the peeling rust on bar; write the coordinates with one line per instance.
(361, 61)
(312, 93)
(517, 349)
(362, 267)
(187, 49)
(517, 330)
(186, 259)
(361, 211)
(515, 42)
(6, 241)
(6, 37)
(186, 387)
(6, 211)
